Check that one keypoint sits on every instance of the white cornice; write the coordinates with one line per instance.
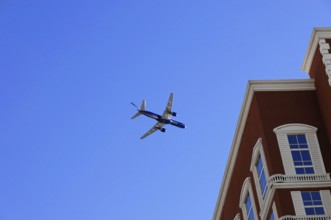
(253, 86)
(318, 33)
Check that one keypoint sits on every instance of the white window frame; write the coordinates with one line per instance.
(245, 191)
(312, 141)
(299, 207)
(259, 152)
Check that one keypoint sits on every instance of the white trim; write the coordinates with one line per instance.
(271, 85)
(318, 33)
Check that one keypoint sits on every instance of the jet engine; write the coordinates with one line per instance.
(162, 129)
(173, 114)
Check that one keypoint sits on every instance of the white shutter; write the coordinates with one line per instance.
(285, 152)
(326, 198)
(298, 203)
(315, 153)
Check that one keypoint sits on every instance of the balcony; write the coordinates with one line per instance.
(319, 217)
(281, 178)
(293, 182)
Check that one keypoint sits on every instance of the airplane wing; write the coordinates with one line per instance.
(153, 129)
(167, 111)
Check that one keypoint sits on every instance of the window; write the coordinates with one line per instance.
(247, 203)
(299, 149)
(272, 216)
(249, 208)
(261, 177)
(260, 172)
(300, 154)
(312, 203)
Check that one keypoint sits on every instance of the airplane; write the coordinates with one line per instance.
(162, 120)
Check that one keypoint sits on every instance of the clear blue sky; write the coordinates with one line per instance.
(69, 68)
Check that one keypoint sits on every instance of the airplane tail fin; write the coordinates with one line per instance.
(142, 107)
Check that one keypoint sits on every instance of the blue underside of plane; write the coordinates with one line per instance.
(162, 120)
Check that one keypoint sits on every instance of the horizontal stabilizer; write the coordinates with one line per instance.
(136, 115)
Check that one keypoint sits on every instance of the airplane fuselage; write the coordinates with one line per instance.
(159, 118)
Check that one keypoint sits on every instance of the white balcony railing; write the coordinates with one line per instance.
(319, 217)
(281, 178)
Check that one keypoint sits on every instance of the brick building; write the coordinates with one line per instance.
(280, 160)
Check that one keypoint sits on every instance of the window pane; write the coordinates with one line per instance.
(319, 211)
(249, 209)
(263, 181)
(261, 175)
(259, 166)
(251, 216)
(306, 196)
(248, 204)
(316, 196)
(263, 185)
(309, 170)
(299, 171)
(292, 139)
(310, 211)
(296, 155)
(305, 155)
(301, 139)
